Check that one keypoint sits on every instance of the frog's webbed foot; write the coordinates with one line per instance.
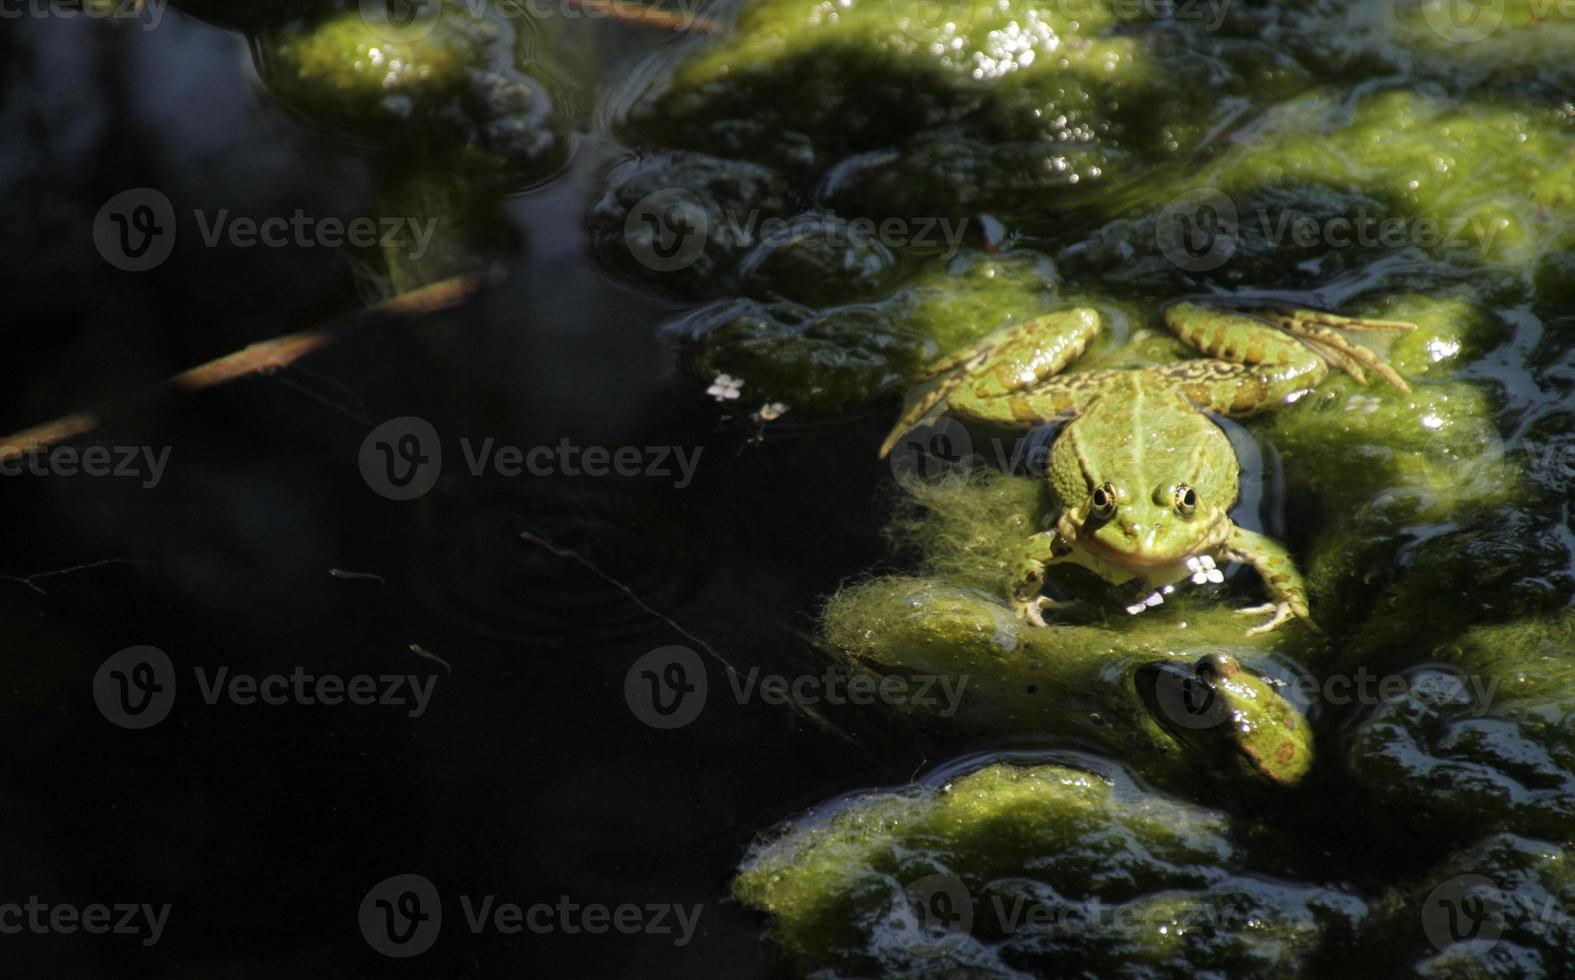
(1317, 329)
(1287, 594)
(1283, 612)
(1028, 578)
(1032, 610)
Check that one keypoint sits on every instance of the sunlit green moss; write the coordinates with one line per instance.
(1476, 181)
(1527, 44)
(450, 93)
(810, 82)
(1042, 868)
(1106, 677)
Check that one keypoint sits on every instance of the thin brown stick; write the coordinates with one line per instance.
(259, 358)
(637, 13)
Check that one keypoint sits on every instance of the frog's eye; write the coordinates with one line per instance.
(1104, 500)
(1186, 499)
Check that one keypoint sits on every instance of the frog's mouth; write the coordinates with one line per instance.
(1144, 559)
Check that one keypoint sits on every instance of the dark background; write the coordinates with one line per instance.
(529, 777)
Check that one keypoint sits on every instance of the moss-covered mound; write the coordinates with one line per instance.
(1033, 870)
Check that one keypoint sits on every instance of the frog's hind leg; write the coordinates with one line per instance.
(1262, 358)
(992, 378)
(1315, 327)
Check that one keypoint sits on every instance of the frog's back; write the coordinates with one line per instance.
(1141, 434)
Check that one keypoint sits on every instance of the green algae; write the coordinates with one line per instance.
(450, 95)
(821, 362)
(1498, 909)
(1336, 188)
(811, 83)
(1483, 738)
(1119, 682)
(454, 102)
(1426, 534)
(1043, 869)
(686, 221)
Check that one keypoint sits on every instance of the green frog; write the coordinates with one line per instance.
(1141, 478)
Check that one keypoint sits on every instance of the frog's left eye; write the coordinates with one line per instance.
(1104, 501)
(1186, 499)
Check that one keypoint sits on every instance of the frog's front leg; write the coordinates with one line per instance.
(1287, 594)
(1009, 377)
(1028, 576)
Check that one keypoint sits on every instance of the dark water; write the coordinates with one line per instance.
(509, 767)
(527, 777)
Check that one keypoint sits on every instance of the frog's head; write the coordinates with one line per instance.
(1148, 498)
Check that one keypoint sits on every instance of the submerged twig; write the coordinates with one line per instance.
(28, 580)
(424, 654)
(344, 573)
(570, 553)
(649, 16)
(260, 358)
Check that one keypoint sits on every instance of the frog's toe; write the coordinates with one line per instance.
(1032, 610)
(1317, 329)
(1282, 613)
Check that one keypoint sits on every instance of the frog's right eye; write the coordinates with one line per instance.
(1104, 500)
